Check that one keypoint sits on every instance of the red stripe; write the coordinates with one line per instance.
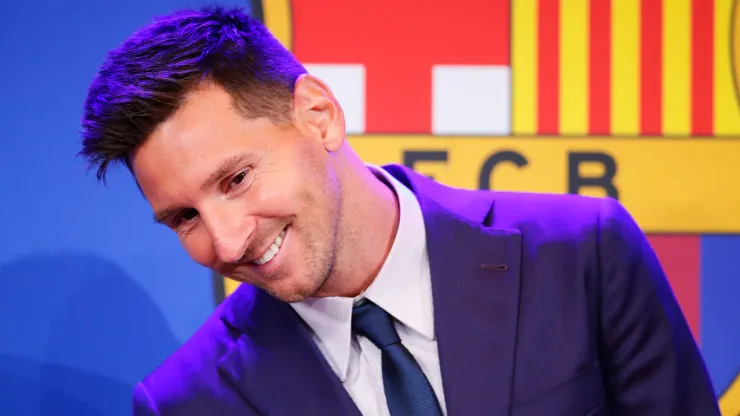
(549, 67)
(600, 67)
(702, 78)
(651, 63)
(679, 255)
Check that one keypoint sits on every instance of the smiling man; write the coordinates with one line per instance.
(371, 290)
(258, 202)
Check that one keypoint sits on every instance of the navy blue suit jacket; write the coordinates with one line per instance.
(543, 305)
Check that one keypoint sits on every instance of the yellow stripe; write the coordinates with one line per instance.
(524, 66)
(230, 286)
(677, 67)
(625, 68)
(574, 20)
(729, 403)
(277, 14)
(726, 106)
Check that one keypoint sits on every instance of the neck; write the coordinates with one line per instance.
(367, 229)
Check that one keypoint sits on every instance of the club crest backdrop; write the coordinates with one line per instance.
(633, 99)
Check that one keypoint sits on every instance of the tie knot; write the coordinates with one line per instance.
(375, 324)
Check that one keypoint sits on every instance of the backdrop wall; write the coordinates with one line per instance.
(634, 99)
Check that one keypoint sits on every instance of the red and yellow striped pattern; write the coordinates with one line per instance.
(623, 68)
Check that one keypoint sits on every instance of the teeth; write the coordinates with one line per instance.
(272, 251)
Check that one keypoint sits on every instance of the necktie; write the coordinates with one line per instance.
(407, 390)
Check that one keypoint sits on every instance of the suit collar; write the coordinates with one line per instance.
(274, 363)
(475, 283)
(469, 206)
(403, 287)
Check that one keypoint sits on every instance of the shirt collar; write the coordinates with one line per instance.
(402, 287)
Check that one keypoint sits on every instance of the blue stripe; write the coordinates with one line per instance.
(720, 307)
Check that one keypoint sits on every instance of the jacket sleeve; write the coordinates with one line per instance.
(651, 362)
(143, 403)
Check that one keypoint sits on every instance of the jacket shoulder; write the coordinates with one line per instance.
(550, 213)
(190, 374)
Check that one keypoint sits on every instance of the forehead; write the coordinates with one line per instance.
(201, 135)
(206, 118)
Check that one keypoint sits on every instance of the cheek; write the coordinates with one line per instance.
(281, 199)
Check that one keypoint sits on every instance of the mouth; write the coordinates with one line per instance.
(272, 251)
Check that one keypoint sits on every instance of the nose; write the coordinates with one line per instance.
(231, 231)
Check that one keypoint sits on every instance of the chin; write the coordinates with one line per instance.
(289, 296)
(292, 292)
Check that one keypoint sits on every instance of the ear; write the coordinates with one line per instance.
(317, 113)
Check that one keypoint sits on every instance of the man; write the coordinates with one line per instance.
(371, 290)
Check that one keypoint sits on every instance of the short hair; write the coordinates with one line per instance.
(144, 82)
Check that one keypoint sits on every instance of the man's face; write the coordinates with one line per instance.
(252, 200)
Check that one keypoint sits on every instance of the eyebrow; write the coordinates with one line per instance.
(223, 169)
(162, 215)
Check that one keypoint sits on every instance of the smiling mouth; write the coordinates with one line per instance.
(272, 251)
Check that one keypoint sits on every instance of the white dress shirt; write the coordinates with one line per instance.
(403, 288)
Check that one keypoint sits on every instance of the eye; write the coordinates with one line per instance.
(238, 179)
(186, 216)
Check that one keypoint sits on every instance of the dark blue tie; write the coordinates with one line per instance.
(407, 389)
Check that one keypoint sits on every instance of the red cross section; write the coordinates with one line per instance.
(398, 42)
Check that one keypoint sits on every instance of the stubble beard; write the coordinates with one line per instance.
(319, 261)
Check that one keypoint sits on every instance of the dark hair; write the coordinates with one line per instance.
(144, 81)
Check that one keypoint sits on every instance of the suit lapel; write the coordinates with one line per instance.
(275, 364)
(475, 284)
